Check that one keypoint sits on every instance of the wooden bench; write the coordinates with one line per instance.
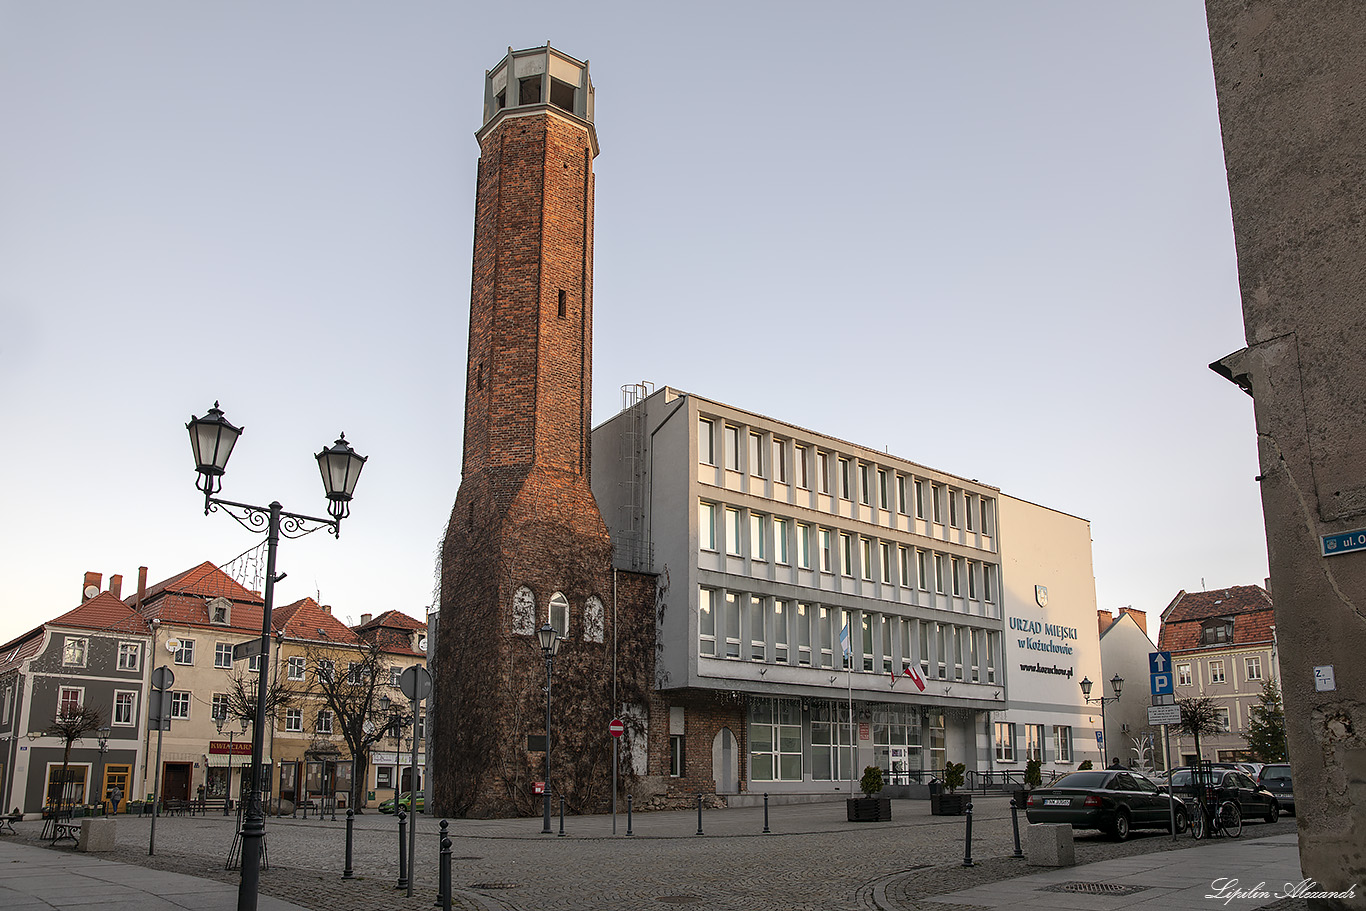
(7, 823)
(61, 824)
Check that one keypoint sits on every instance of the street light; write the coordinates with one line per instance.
(550, 647)
(103, 735)
(212, 438)
(219, 721)
(1116, 684)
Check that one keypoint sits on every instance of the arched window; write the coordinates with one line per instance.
(524, 612)
(559, 614)
(592, 619)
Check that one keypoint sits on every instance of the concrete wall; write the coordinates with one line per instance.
(1290, 80)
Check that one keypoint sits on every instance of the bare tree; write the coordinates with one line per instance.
(71, 725)
(242, 697)
(366, 707)
(1199, 715)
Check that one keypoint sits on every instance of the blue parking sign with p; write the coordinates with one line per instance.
(1160, 673)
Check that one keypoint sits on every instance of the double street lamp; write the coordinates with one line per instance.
(550, 647)
(103, 736)
(212, 437)
(220, 721)
(1116, 684)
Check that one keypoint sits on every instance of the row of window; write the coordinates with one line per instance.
(785, 746)
(781, 631)
(1008, 749)
(1214, 671)
(76, 650)
(799, 464)
(70, 699)
(557, 615)
(763, 538)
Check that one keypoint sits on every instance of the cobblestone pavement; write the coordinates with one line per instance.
(813, 860)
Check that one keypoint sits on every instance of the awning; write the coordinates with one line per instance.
(221, 760)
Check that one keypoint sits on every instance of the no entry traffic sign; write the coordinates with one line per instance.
(616, 728)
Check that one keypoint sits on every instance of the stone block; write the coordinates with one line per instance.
(1050, 845)
(98, 834)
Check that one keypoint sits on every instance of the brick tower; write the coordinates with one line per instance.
(526, 543)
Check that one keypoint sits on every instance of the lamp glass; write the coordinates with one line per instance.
(340, 467)
(1086, 687)
(212, 438)
(546, 634)
(1117, 684)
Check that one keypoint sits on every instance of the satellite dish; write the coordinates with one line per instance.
(172, 645)
(91, 591)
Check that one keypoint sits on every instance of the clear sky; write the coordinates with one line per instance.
(990, 237)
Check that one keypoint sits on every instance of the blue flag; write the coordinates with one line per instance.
(844, 641)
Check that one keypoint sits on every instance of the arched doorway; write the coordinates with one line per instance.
(725, 762)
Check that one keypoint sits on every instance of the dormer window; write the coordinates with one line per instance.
(1218, 631)
(220, 612)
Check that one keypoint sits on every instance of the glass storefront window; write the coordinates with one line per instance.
(775, 740)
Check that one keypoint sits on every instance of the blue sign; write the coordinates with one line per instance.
(1160, 673)
(1100, 738)
(1343, 543)
(1159, 662)
(1162, 684)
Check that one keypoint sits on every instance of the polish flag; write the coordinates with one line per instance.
(918, 680)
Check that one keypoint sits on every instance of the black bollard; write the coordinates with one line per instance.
(350, 824)
(225, 806)
(699, 814)
(628, 814)
(766, 832)
(445, 874)
(443, 870)
(1015, 824)
(402, 851)
(334, 809)
(562, 816)
(967, 841)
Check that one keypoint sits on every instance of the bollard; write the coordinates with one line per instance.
(699, 814)
(967, 840)
(443, 870)
(402, 851)
(629, 798)
(1015, 824)
(766, 832)
(350, 824)
(334, 809)
(225, 806)
(562, 816)
(445, 874)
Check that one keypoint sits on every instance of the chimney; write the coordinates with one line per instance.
(1104, 618)
(366, 618)
(1140, 617)
(116, 586)
(90, 579)
(142, 587)
(327, 608)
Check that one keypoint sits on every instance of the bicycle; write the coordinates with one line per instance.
(1224, 819)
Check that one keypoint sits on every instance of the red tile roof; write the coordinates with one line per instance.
(104, 612)
(394, 620)
(17, 651)
(307, 619)
(1249, 606)
(205, 580)
(1221, 602)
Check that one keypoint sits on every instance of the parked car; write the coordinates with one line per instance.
(1276, 778)
(403, 802)
(1114, 801)
(1229, 784)
(1253, 769)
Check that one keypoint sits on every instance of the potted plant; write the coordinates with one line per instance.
(870, 807)
(1033, 778)
(1085, 765)
(943, 800)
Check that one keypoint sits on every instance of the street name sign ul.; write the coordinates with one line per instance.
(1164, 714)
(1343, 542)
(244, 650)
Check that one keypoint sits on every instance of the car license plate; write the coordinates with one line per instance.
(1056, 802)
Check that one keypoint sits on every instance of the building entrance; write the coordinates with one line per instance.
(116, 776)
(175, 781)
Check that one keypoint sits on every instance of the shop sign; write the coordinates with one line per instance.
(230, 748)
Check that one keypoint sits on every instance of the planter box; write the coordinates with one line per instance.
(869, 809)
(947, 804)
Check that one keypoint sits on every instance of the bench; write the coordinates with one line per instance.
(7, 823)
(60, 824)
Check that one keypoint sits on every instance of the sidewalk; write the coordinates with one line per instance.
(38, 879)
(1163, 881)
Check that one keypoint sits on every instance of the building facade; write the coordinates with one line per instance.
(1223, 645)
(1124, 650)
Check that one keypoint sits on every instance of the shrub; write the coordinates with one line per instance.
(953, 775)
(1086, 764)
(1033, 776)
(871, 782)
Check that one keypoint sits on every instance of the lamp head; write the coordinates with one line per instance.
(1117, 684)
(340, 466)
(212, 438)
(548, 639)
(1086, 687)
(219, 720)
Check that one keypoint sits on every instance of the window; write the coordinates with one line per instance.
(1221, 719)
(886, 551)
(780, 631)
(222, 654)
(561, 309)
(757, 550)
(866, 641)
(775, 740)
(920, 569)
(758, 629)
(920, 499)
(955, 575)
(559, 614)
(824, 619)
(123, 708)
(831, 755)
(846, 554)
(395, 673)
(887, 636)
(804, 613)
(1005, 741)
(865, 486)
(974, 648)
(967, 511)
(1062, 742)
(73, 651)
(69, 699)
(882, 491)
(823, 472)
(1217, 632)
(800, 457)
(985, 504)
(594, 622)
(733, 532)
(866, 557)
(1183, 675)
(1252, 668)
(903, 560)
(296, 667)
(924, 646)
(988, 586)
(845, 480)
(827, 557)
(901, 494)
(706, 622)
(384, 776)
(324, 721)
(992, 639)
(959, 634)
(803, 546)
(953, 507)
(676, 755)
(972, 579)
(185, 654)
(779, 461)
(706, 525)
(355, 673)
(936, 502)
(130, 656)
(756, 454)
(941, 632)
(731, 621)
(1034, 734)
(219, 611)
(220, 706)
(1216, 671)
(706, 442)
(732, 448)
(180, 706)
(780, 541)
(939, 573)
(326, 669)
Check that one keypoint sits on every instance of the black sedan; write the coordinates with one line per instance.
(1111, 800)
(1277, 779)
(1228, 784)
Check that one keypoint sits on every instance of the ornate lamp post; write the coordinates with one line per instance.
(212, 438)
(103, 735)
(550, 647)
(1116, 684)
(219, 721)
